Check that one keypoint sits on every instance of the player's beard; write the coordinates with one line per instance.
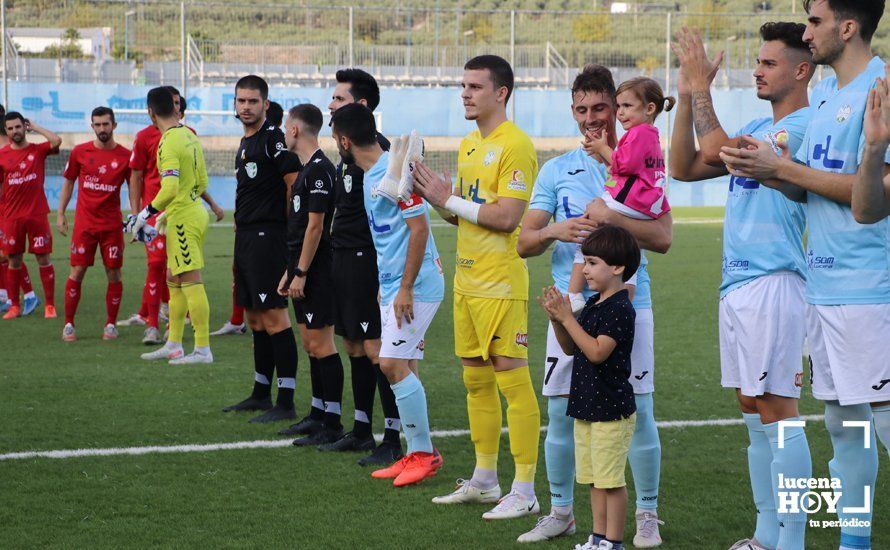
(18, 137)
(346, 156)
(103, 137)
(829, 52)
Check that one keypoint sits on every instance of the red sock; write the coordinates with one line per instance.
(48, 278)
(155, 285)
(13, 282)
(72, 298)
(143, 307)
(113, 301)
(26, 280)
(237, 311)
(4, 265)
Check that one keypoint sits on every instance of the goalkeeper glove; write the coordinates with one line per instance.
(413, 153)
(389, 185)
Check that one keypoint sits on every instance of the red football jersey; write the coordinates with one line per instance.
(145, 158)
(100, 174)
(22, 174)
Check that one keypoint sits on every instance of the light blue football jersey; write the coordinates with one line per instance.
(848, 263)
(390, 234)
(564, 187)
(763, 230)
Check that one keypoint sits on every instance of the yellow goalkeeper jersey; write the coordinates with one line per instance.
(182, 170)
(502, 165)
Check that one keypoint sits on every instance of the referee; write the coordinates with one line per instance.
(265, 169)
(356, 289)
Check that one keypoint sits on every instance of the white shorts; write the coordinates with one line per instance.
(762, 329)
(406, 342)
(558, 366)
(849, 359)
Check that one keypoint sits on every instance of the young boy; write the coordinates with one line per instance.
(601, 399)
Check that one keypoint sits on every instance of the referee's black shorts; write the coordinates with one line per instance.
(355, 292)
(317, 309)
(260, 261)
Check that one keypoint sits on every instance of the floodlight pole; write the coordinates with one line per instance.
(5, 64)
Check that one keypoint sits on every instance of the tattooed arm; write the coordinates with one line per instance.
(711, 136)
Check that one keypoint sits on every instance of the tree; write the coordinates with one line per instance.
(591, 28)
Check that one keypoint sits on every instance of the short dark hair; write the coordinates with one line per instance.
(594, 78)
(181, 104)
(160, 100)
(866, 13)
(361, 85)
(174, 90)
(275, 114)
(790, 34)
(356, 122)
(501, 72)
(310, 116)
(253, 82)
(102, 111)
(616, 246)
(12, 115)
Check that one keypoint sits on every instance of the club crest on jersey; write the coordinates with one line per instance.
(296, 202)
(347, 183)
(489, 158)
(31, 158)
(250, 168)
(844, 113)
(114, 164)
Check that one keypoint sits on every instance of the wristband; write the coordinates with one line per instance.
(151, 210)
(463, 208)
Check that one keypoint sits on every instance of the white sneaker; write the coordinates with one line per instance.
(194, 358)
(134, 320)
(229, 328)
(167, 351)
(550, 527)
(747, 544)
(588, 545)
(605, 545)
(647, 530)
(513, 505)
(466, 493)
(109, 332)
(68, 333)
(152, 337)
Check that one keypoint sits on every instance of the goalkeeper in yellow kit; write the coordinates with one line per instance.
(183, 180)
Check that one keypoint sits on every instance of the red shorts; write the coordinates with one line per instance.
(35, 229)
(109, 241)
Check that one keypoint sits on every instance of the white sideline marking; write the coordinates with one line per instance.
(278, 443)
(443, 223)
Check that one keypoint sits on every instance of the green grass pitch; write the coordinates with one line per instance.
(91, 394)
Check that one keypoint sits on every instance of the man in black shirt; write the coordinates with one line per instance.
(356, 289)
(265, 169)
(308, 277)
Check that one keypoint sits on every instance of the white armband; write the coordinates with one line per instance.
(463, 208)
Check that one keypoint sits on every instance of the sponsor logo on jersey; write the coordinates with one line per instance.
(31, 158)
(735, 265)
(421, 344)
(522, 339)
(819, 262)
(319, 188)
(309, 316)
(820, 152)
(489, 158)
(744, 183)
(263, 297)
(576, 172)
(347, 183)
(250, 168)
(364, 325)
(777, 138)
(517, 181)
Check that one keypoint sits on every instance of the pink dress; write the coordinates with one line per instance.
(638, 175)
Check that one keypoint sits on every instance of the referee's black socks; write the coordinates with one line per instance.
(316, 411)
(284, 346)
(392, 423)
(263, 365)
(364, 382)
(332, 379)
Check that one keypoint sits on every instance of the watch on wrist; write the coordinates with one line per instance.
(299, 272)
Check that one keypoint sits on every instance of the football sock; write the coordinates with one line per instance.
(855, 466)
(199, 311)
(316, 411)
(237, 317)
(523, 420)
(559, 453)
(4, 265)
(411, 400)
(645, 454)
(760, 458)
(332, 380)
(792, 461)
(113, 295)
(284, 348)
(616, 544)
(178, 309)
(48, 278)
(597, 538)
(72, 298)
(391, 417)
(882, 424)
(13, 282)
(484, 412)
(151, 293)
(26, 286)
(364, 383)
(263, 365)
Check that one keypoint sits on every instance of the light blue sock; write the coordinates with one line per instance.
(559, 452)
(645, 454)
(854, 465)
(760, 458)
(411, 401)
(882, 424)
(792, 461)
